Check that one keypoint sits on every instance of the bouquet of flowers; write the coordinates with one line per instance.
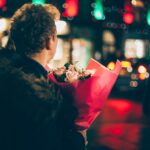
(89, 87)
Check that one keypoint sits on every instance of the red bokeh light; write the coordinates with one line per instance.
(128, 8)
(118, 127)
(128, 18)
(71, 8)
(2, 3)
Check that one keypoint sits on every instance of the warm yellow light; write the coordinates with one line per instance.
(137, 3)
(3, 24)
(142, 76)
(142, 69)
(134, 2)
(111, 66)
(126, 64)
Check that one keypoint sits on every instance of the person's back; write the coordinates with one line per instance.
(33, 113)
(28, 119)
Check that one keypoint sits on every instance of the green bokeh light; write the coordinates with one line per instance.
(98, 10)
(38, 1)
(148, 17)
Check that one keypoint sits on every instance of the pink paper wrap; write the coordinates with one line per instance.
(90, 95)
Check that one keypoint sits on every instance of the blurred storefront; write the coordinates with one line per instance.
(4, 27)
(73, 46)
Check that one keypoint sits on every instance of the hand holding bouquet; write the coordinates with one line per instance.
(89, 87)
(70, 73)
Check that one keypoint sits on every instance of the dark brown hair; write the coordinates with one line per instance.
(32, 26)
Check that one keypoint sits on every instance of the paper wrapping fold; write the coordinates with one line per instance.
(89, 95)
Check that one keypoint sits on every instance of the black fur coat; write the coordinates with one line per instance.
(33, 114)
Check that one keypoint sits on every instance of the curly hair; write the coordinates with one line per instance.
(32, 26)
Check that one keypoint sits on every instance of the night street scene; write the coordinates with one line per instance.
(74, 74)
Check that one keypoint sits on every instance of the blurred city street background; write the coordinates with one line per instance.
(105, 30)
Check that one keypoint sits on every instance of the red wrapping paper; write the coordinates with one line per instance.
(90, 95)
